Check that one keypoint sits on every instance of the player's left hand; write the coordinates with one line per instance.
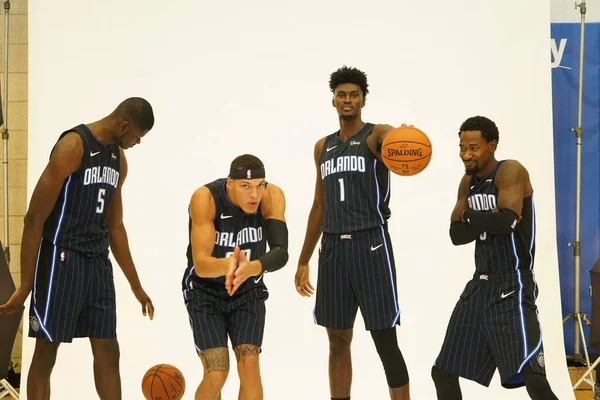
(245, 270)
(144, 299)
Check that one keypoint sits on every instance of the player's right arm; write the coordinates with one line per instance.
(203, 212)
(313, 230)
(460, 232)
(65, 160)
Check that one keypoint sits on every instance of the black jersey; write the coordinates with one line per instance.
(356, 186)
(78, 220)
(233, 228)
(499, 253)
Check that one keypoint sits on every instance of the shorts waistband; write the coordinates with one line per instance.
(354, 234)
(487, 276)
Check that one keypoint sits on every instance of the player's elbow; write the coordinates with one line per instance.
(114, 227)
(33, 220)
(198, 270)
(285, 257)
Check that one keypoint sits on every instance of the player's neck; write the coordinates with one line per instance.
(488, 169)
(349, 127)
(101, 133)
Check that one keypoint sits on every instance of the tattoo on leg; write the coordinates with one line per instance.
(216, 360)
(246, 350)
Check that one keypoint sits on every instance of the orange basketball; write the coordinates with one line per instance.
(406, 150)
(163, 382)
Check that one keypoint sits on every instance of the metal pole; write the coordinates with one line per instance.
(5, 134)
(579, 136)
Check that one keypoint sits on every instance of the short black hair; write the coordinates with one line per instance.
(349, 75)
(137, 111)
(246, 161)
(487, 127)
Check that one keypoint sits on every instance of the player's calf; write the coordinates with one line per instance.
(216, 368)
(247, 356)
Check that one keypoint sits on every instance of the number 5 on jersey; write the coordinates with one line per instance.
(100, 206)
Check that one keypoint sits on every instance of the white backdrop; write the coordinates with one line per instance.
(227, 78)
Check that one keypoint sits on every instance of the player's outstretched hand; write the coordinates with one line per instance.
(16, 301)
(245, 270)
(303, 285)
(144, 299)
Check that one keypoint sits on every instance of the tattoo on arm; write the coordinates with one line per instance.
(246, 350)
(216, 360)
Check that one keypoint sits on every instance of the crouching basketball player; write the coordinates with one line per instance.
(494, 324)
(231, 222)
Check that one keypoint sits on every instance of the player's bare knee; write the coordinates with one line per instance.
(339, 340)
(44, 355)
(216, 378)
(106, 351)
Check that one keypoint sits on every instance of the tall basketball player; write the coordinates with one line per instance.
(231, 222)
(75, 215)
(494, 324)
(356, 262)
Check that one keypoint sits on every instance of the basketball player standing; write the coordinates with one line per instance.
(231, 221)
(356, 262)
(494, 324)
(75, 214)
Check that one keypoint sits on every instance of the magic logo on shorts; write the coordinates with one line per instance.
(34, 324)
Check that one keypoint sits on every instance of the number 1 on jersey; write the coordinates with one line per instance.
(342, 191)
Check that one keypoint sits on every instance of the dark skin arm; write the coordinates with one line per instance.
(461, 202)
(119, 243)
(376, 138)
(65, 160)
(203, 212)
(313, 230)
(272, 206)
(462, 233)
(512, 180)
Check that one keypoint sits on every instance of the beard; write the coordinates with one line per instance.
(472, 170)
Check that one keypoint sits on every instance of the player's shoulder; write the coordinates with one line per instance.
(202, 203)
(201, 194)
(273, 191)
(319, 146)
(511, 172)
(273, 201)
(71, 140)
(321, 142)
(511, 167)
(68, 151)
